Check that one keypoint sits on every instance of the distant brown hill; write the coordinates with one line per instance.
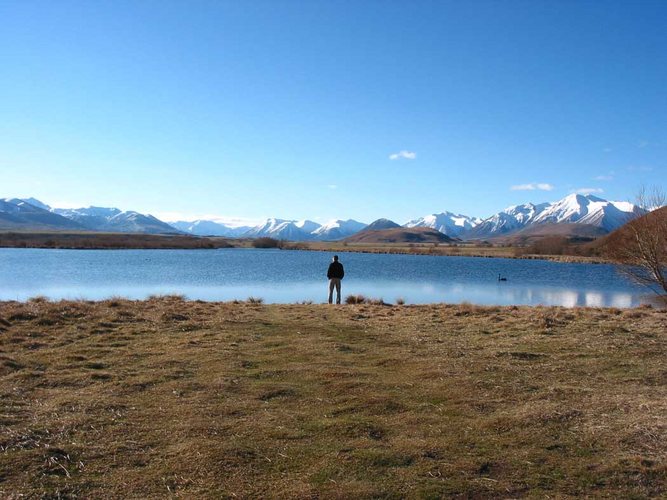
(380, 224)
(573, 233)
(623, 237)
(400, 235)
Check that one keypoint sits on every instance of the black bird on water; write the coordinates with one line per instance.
(501, 279)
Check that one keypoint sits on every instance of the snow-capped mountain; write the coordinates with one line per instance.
(305, 230)
(92, 217)
(589, 210)
(446, 222)
(36, 203)
(574, 208)
(15, 206)
(32, 214)
(209, 228)
(279, 229)
(72, 213)
(338, 229)
(509, 220)
(307, 226)
(89, 218)
(16, 213)
(115, 220)
(134, 222)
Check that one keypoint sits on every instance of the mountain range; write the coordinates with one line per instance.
(202, 227)
(16, 214)
(575, 210)
(454, 225)
(32, 214)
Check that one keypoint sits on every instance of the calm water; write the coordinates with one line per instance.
(292, 276)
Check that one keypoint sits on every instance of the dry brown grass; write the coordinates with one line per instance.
(457, 250)
(165, 397)
(105, 241)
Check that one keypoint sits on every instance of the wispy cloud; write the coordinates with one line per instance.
(403, 155)
(588, 190)
(607, 150)
(533, 186)
(603, 178)
(332, 186)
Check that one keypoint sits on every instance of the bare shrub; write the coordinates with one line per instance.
(356, 299)
(38, 299)
(465, 309)
(550, 245)
(115, 301)
(640, 250)
(266, 242)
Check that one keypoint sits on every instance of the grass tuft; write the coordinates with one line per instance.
(356, 299)
(177, 297)
(38, 299)
(361, 299)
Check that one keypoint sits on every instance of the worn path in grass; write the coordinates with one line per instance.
(169, 397)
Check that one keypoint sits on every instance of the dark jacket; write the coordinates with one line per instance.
(335, 270)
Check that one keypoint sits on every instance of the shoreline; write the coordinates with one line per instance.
(125, 241)
(654, 302)
(443, 252)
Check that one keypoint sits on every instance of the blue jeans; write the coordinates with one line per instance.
(334, 283)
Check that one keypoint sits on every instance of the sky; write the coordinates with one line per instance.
(330, 109)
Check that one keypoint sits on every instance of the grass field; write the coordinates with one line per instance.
(167, 397)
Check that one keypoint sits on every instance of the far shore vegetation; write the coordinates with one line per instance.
(174, 398)
(554, 248)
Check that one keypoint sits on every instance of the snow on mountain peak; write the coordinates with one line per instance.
(307, 225)
(338, 229)
(203, 227)
(446, 222)
(574, 208)
(36, 203)
(587, 209)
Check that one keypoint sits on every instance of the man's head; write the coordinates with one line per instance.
(335, 258)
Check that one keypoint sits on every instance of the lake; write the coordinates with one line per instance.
(284, 276)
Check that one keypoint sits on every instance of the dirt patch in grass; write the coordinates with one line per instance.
(146, 399)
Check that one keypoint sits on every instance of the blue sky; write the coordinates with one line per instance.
(295, 108)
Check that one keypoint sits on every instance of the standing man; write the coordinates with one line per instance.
(335, 274)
